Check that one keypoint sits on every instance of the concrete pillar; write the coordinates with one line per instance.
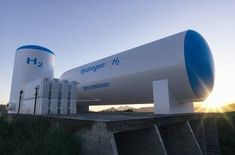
(211, 134)
(165, 102)
(179, 139)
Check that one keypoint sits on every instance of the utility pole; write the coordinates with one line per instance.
(21, 92)
(35, 99)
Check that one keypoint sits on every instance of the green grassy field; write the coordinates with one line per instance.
(27, 136)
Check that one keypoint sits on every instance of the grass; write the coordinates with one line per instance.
(26, 136)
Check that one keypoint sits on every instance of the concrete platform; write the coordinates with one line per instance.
(143, 133)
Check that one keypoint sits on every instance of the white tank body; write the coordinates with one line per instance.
(184, 59)
(31, 63)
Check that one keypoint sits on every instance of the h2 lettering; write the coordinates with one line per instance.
(116, 61)
(35, 61)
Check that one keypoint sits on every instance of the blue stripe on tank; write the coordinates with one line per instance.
(35, 47)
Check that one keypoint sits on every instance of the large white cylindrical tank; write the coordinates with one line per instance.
(31, 63)
(184, 59)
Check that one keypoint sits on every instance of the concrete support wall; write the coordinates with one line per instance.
(139, 142)
(163, 135)
(98, 140)
(179, 139)
(198, 130)
(211, 136)
(149, 136)
(122, 138)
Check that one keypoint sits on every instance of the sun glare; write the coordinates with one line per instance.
(221, 96)
(214, 103)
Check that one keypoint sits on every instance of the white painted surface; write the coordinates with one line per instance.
(127, 77)
(48, 97)
(164, 101)
(29, 65)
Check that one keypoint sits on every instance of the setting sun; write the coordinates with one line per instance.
(218, 101)
(222, 95)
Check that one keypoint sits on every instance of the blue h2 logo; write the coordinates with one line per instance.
(35, 61)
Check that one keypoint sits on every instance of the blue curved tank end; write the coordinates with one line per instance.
(199, 64)
(35, 47)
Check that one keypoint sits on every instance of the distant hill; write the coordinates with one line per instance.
(230, 107)
(110, 110)
(145, 109)
(123, 108)
(225, 108)
(128, 109)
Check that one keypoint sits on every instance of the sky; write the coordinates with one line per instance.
(82, 31)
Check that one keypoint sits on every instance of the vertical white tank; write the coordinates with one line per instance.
(31, 63)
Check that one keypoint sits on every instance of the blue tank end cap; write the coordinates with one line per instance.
(199, 64)
(35, 47)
